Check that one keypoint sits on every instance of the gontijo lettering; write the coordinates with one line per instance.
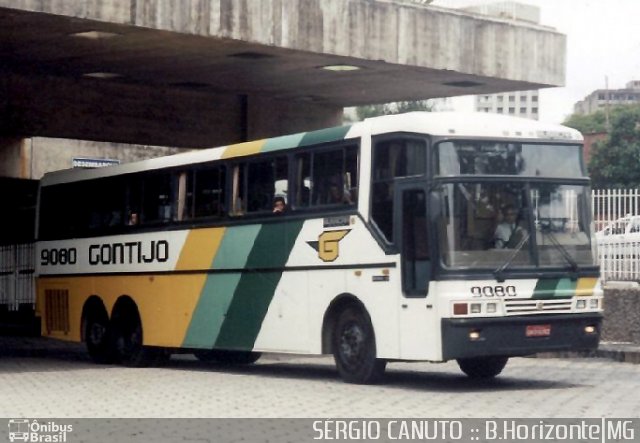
(129, 253)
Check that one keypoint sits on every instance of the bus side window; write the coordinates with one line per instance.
(210, 191)
(325, 178)
(156, 198)
(266, 180)
(393, 158)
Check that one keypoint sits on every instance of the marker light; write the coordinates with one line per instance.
(460, 309)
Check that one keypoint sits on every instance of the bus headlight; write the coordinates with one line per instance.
(492, 308)
(476, 308)
(581, 304)
(593, 303)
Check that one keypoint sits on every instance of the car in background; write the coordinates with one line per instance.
(622, 230)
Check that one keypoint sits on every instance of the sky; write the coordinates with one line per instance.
(603, 41)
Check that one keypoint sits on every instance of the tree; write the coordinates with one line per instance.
(589, 123)
(615, 161)
(393, 108)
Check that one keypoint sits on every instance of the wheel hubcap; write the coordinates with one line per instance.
(97, 333)
(351, 343)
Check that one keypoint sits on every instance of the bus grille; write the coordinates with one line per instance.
(57, 310)
(523, 307)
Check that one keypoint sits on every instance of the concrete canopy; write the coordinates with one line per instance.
(206, 72)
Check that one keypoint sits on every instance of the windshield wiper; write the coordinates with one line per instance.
(565, 254)
(498, 273)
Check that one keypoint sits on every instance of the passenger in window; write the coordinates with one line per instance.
(279, 205)
(133, 219)
(337, 194)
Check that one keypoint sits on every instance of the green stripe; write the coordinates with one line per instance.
(305, 138)
(235, 247)
(284, 142)
(209, 314)
(566, 288)
(218, 289)
(554, 288)
(255, 290)
(545, 288)
(324, 135)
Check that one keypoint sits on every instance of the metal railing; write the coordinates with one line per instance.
(17, 285)
(617, 233)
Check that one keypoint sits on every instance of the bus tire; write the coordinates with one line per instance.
(482, 367)
(228, 357)
(354, 348)
(97, 336)
(127, 342)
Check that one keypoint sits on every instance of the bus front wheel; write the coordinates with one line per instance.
(354, 348)
(482, 367)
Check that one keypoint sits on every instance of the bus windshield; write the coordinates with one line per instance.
(513, 225)
(509, 158)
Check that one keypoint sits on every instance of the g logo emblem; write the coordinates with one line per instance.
(328, 244)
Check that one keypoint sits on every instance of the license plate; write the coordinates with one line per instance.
(538, 330)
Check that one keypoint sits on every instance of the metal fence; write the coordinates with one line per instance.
(17, 286)
(616, 215)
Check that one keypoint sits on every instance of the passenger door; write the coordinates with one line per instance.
(413, 239)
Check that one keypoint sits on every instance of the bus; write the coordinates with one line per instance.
(384, 246)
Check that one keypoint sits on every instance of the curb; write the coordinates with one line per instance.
(620, 352)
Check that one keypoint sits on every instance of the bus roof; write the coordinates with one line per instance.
(442, 124)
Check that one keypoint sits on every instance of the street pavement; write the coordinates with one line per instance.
(47, 378)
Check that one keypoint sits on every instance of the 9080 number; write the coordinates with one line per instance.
(493, 291)
(58, 256)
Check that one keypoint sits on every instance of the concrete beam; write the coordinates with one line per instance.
(209, 72)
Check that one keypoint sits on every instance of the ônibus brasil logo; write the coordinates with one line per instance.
(34, 431)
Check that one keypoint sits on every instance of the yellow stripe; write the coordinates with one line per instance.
(165, 302)
(585, 286)
(242, 149)
(199, 249)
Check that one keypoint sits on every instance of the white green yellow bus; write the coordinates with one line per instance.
(414, 237)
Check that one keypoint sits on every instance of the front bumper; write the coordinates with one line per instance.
(505, 336)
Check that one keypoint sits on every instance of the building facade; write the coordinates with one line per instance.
(519, 103)
(600, 98)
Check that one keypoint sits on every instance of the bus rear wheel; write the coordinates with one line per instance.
(97, 338)
(482, 367)
(127, 342)
(228, 357)
(354, 348)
